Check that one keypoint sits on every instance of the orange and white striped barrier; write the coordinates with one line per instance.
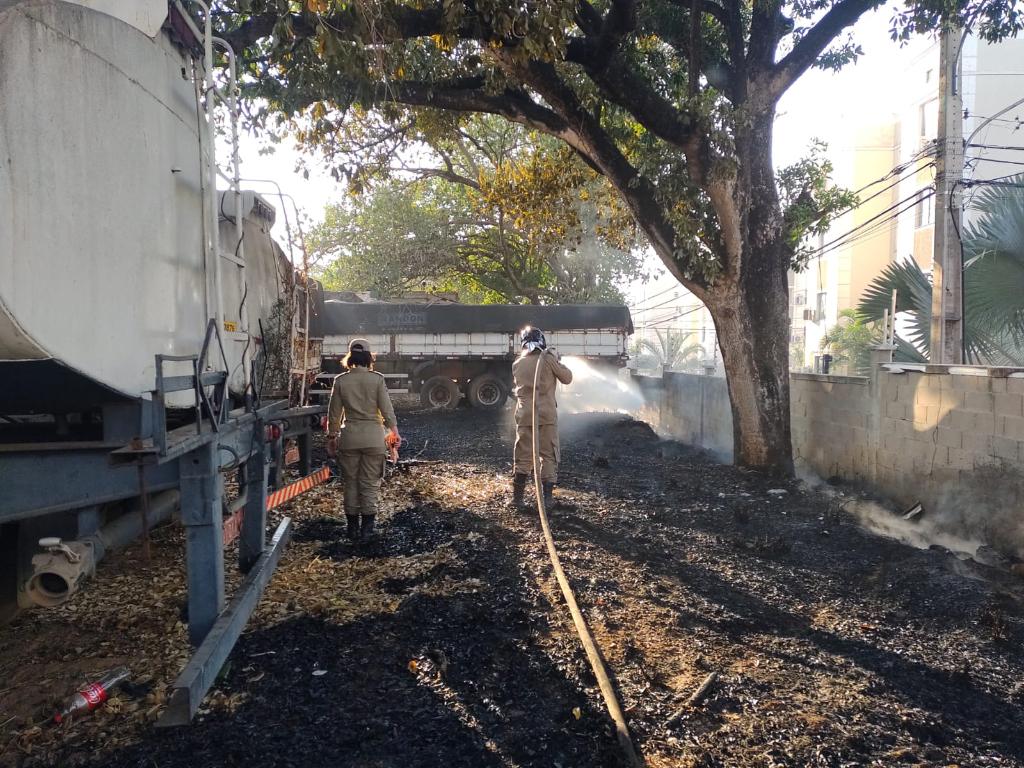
(289, 492)
(233, 525)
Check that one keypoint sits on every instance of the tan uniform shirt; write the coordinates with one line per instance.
(360, 405)
(551, 372)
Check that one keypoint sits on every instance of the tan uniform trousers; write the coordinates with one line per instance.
(362, 471)
(548, 451)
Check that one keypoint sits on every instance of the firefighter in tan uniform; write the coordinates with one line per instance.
(535, 353)
(359, 413)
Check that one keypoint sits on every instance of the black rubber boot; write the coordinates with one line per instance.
(352, 532)
(366, 530)
(519, 492)
(549, 496)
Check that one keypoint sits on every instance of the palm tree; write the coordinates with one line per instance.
(993, 285)
(672, 353)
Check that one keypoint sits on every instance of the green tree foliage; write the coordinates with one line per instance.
(488, 210)
(993, 285)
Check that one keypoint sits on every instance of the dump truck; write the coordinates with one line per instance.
(447, 352)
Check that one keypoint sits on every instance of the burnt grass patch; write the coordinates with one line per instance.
(446, 642)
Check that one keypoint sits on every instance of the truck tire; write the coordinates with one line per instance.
(439, 392)
(487, 392)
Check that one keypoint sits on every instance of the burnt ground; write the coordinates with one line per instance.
(447, 642)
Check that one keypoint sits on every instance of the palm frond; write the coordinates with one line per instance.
(913, 296)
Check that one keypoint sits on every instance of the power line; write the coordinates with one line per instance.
(656, 306)
(652, 297)
(676, 317)
(895, 210)
(1003, 147)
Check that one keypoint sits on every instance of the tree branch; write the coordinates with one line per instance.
(626, 88)
(814, 43)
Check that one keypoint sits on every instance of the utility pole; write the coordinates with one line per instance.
(947, 256)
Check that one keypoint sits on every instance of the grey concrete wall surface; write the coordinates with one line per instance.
(951, 437)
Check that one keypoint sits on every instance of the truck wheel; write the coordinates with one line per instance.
(439, 392)
(487, 392)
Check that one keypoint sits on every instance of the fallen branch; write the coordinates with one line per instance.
(695, 698)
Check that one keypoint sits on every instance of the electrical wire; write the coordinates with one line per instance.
(890, 214)
(593, 654)
(677, 316)
(657, 306)
(651, 298)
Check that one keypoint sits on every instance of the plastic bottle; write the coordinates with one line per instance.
(93, 695)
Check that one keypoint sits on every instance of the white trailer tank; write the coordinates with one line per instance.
(102, 261)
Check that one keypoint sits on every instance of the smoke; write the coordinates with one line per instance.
(923, 531)
(921, 534)
(596, 388)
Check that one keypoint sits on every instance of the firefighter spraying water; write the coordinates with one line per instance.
(536, 363)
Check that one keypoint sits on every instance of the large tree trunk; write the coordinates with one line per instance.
(753, 331)
(751, 312)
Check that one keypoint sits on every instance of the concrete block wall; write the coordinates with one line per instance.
(832, 422)
(950, 437)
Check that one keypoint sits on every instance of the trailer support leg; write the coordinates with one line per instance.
(305, 453)
(254, 521)
(204, 548)
(276, 462)
(197, 677)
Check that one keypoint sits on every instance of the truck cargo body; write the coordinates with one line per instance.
(446, 351)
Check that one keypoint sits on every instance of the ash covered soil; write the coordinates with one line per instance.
(446, 643)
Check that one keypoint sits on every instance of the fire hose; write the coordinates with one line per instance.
(586, 639)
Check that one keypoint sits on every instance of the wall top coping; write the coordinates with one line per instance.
(985, 371)
(864, 380)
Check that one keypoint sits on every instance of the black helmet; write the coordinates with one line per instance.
(535, 336)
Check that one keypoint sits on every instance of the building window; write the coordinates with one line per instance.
(928, 76)
(924, 211)
(822, 296)
(799, 298)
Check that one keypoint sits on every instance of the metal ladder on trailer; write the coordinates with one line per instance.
(225, 96)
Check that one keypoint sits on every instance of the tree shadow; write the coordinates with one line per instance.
(452, 679)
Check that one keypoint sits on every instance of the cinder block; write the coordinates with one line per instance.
(892, 442)
(1006, 448)
(1008, 404)
(926, 415)
(978, 401)
(970, 383)
(1015, 385)
(959, 459)
(997, 384)
(896, 410)
(977, 442)
(971, 421)
(951, 400)
(950, 438)
(926, 395)
(1012, 426)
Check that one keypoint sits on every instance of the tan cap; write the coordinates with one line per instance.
(359, 345)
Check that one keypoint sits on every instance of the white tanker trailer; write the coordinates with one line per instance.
(117, 247)
(104, 262)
